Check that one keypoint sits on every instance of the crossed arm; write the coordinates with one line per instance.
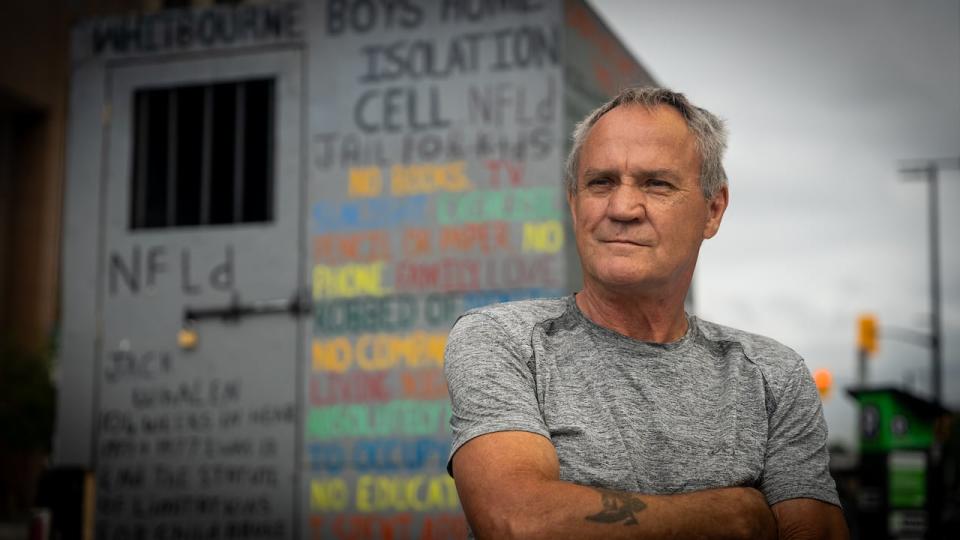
(509, 485)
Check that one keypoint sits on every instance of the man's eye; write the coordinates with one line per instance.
(599, 182)
(657, 183)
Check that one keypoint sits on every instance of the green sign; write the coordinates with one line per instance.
(907, 475)
(891, 419)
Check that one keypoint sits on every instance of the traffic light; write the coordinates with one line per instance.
(867, 334)
(824, 381)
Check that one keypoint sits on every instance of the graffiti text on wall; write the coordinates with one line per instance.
(149, 268)
(431, 199)
(182, 29)
(179, 450)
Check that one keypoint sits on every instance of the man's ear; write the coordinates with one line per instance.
(570, 200)
(716, 206)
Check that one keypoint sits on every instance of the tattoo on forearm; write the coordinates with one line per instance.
(617, 507)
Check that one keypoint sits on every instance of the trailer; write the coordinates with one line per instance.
(274, 213)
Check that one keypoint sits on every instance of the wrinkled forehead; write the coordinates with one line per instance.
(649, 135)
(660, 122)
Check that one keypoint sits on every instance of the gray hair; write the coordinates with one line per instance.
(707, 128)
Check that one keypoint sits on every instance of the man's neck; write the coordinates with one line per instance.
(652, 319)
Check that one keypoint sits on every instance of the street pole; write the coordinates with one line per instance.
(936, 319)
(930, 169)
(862, 367)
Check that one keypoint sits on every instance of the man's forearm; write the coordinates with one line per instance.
(556, 509)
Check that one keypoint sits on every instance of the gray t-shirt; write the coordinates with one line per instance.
(717, 408)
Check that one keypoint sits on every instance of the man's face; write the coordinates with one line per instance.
(639, 214)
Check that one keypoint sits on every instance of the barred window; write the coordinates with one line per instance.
(203, 155)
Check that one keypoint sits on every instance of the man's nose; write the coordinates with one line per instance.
(627, 203)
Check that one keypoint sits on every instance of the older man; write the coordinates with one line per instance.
(613, 413)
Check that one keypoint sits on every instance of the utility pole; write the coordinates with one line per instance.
(930, 169)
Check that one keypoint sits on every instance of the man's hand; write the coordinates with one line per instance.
(509, 485)
(808, 519)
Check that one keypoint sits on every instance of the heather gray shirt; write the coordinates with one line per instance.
(717, 408)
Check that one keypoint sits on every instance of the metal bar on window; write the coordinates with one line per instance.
(207, 159)
(270, 185)
(171, 158)
(239, 132)
(140, 175)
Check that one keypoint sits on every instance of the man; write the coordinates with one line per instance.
(613, 413)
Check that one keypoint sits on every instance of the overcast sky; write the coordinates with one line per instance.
(822, 99)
